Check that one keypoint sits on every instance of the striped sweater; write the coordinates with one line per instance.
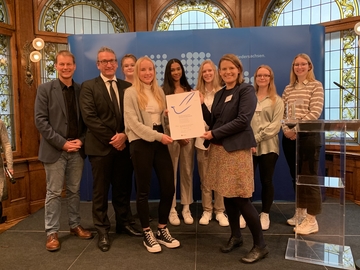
(306, 98)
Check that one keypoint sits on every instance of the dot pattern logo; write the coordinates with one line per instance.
(191, 62)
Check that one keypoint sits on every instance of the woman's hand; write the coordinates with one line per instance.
(253, 150)
(290, 134)
(165, 139)
(207, 135)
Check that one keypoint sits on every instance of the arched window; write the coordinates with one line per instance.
(6, 87)
(341, 52)
(190, 15)
(185, 15)
(79, 17)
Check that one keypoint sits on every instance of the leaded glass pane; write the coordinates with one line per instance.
(56, 9)
(87, 26)
(48, 71)
(183, 15)
(6, 88)
(3, 12)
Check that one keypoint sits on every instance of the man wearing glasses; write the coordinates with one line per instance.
(101, 104)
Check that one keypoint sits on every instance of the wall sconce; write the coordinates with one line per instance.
(357, 28)
(31, 54)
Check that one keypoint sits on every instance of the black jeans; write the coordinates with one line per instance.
(308, 193)
(266, 164)
(145, 156)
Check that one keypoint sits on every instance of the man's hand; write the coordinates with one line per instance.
(118, 141)
(72, 146)
(183, 142)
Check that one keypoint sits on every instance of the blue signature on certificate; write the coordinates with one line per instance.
(182, 107)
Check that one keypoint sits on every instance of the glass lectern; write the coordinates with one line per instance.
(327, 246)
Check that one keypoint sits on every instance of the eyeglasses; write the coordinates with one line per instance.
(300, 64)
(262, 76)
(105, 62)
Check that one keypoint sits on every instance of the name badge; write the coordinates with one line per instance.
(228, 98)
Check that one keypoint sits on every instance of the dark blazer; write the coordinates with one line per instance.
(99, 115)
(235, 132)
(52, 122)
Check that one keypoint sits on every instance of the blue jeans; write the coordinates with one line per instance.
(69, 168)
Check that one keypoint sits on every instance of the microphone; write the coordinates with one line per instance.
(339, 85)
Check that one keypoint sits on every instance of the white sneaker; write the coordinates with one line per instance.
(307, 227)
(164, 237)
(265, 221)
(242, 222)
(299, 216)
(188, 219)
(223, 219)
(150, 242)
(205, 218)
(174, 218)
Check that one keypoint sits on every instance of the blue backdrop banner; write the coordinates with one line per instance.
(273, 46)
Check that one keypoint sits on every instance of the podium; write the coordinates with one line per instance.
(327, 246)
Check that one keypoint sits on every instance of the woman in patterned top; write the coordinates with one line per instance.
(304, 100)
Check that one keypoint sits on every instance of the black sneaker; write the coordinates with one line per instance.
(150, 242)
(164, 237)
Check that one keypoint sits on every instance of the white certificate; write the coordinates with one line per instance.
(185, 115)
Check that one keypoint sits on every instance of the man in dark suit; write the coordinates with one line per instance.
(101, 103)
(58, 119)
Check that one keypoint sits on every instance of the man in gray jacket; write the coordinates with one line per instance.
(59, 121)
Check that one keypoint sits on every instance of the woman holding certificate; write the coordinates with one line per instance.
(144, 105)
(208, 84)
(181, 151)
(230, 168)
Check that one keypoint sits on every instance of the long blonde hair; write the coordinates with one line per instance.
(310, 75)
(271, 86)
(139, 86)
(201, 83)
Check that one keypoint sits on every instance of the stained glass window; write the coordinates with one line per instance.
(76, 17)
(341, 52)
(6, 87)
(188, 15)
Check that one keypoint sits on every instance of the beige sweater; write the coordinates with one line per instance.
(138, 123)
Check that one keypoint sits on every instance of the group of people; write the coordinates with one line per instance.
(122, 126)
